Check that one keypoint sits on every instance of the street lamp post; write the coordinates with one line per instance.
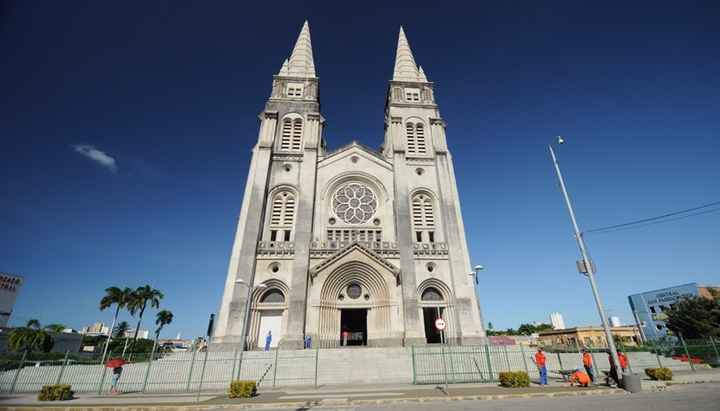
(586, 259)
(247, 310)
(475, 274)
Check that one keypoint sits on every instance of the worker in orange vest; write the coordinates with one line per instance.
(540, 363)
(579, 378)
(623, 360)
(588, 364)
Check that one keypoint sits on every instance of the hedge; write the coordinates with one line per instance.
(242, 389)
(514, 379)
(56, 392)
(659, 374)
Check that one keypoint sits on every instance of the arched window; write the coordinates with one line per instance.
(291, 136)
(416, 143)
(431, 294)
(282, 216)
(423, 218)
(273, 295)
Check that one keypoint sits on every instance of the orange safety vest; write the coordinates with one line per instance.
(580, 378)
(587, 359)
(540, 359)
(623, 360)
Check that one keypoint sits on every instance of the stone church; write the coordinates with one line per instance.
(354, 246)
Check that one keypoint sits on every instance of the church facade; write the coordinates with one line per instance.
(354, 246)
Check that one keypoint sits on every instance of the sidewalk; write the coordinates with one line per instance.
(302, 397)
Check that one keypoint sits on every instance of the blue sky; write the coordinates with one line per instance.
(171, 92)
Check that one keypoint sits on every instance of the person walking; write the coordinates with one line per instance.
(588, 364)
(540, 362)
(116, 372)
(268, 340)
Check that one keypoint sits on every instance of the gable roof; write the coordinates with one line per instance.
(349, 249)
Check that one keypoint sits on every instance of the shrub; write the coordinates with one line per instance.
(57, 392)
(659, 374)
(242, 389)
(514, 379)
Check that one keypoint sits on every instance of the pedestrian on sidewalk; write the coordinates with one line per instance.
(613, 374)
(268, 340)
(540, 362)
(623, 361)
(588, 364)
(116, 372)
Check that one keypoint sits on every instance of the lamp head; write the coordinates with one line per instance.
(478, 268)
(560, 140)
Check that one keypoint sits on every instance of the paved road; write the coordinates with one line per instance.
(697, 397)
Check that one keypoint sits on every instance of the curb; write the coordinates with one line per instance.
(314, 404)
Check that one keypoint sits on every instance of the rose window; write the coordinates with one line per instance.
(354, 203)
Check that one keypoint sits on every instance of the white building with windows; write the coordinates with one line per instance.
(354, 246)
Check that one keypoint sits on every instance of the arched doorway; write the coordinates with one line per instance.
(354, 306)
(268, 314)
(435, 300)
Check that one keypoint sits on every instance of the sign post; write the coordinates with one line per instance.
(440, 326)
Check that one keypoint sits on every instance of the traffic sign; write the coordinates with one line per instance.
(440, 324)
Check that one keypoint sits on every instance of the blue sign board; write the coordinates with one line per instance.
(649, 308)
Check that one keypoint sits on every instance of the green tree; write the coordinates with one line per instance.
(162, 319)
(29, 339)
(55, 328)
(120, 329)
(490, 326)
(695, 317)
(120, 299)
(33, 323)
(527, 329)
(139, 301)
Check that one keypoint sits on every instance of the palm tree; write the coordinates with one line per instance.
(162, 318)
(143, 296)
(54, 328)
(33, 323)
(119, 298)
(29, 339)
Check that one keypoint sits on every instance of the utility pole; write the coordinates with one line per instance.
(586, 261)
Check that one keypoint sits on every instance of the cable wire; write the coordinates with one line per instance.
(654, 220)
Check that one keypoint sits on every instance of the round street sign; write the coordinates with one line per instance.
(440, 324)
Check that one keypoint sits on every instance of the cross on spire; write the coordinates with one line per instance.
(300, 63)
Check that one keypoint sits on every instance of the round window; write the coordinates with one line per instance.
(354, 203)
(354, 291)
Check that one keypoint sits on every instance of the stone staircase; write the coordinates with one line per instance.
(364, 366)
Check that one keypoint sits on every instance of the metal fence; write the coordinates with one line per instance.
(430, 364)
(481, 364)
(167, 373)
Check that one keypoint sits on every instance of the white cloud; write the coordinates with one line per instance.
(96, 155)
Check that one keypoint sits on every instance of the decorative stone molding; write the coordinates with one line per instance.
(275, 248)
(430, 249)
(298, 158)
(355, 246)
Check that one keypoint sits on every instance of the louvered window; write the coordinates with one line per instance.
(282, 216)
(416, 143)
(420, 139)
(423, 218)
(411, 146)
(291, 137)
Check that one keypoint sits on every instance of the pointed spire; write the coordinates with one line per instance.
(301, 62)
(405, 67)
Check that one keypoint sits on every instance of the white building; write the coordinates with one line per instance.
(615, 321)
(95, 329)
(362, 242)
(130, 333)
(9, 288)
(557, 321)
